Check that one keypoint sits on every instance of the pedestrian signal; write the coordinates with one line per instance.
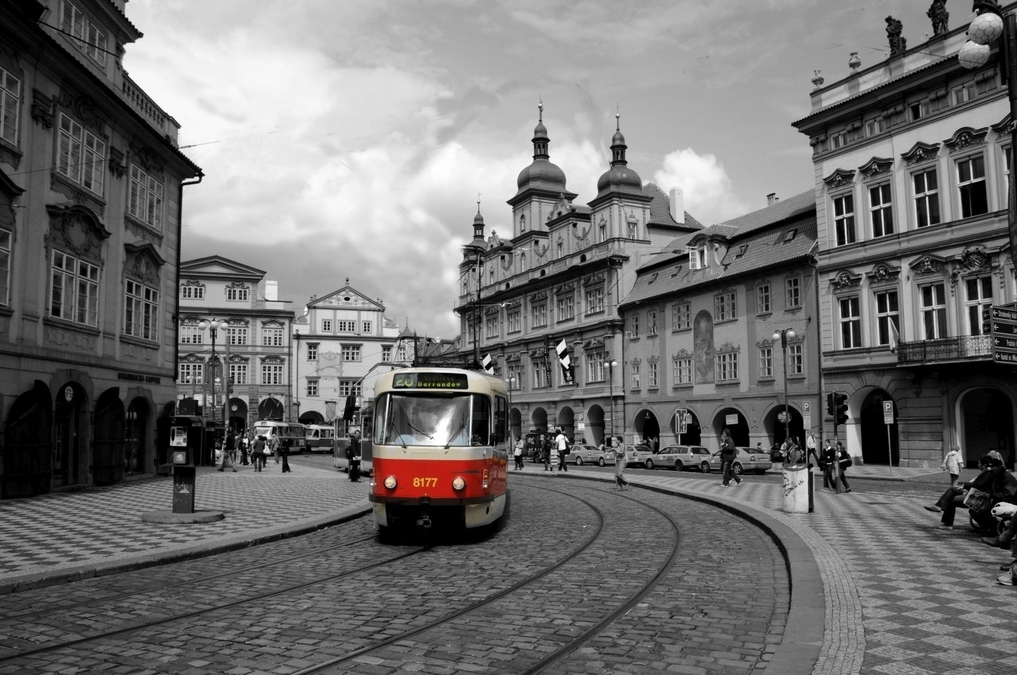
(840, 408)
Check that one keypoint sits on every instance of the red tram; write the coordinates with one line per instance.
(441, 448)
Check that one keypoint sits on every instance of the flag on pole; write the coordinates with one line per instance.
(894, 337)
(488, 364)
(565, 360)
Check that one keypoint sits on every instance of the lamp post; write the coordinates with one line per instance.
(783, 334)
(213, 325)
(610, 365)
(987, 27)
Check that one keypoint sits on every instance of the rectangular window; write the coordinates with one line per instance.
(934, 311)
(346, 326)
(697, 258)
(81, 156)
(725, 307)
(386, 353)
(651, 375)
(682, 369)
(566, 307)
(238, 373)
(141, 311)
(926, 198)
(977, 297)
(238, 294)
(312, 387)
(881, 210)
(146, 198)
(10, 106)
(539, 374)
(191, 292)
(271, 373)
(491, 326)
(594, 300)
(651, 322)
(190, 335)
(89, 38)
(5, 268)
(351, 352)
(365, 327)
(887, 317)
(595, 366)
(515, 376)
(876, 125)
(350, 388)
(272, 337)
(681, 316)
(634, 326)
(312, 352)
(635, 375)
(766, 362)
(850, 324)
(763, 299)
(236, 335)
(75, 292)
(190, 373)
(793, 293)
(326, 325)
(727, 367)
(974, 198)
(539, 315)
(795, 359)
(844, 219)
(514, 319)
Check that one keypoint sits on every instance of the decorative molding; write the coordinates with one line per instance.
(728, 348)
(845, 280)
(1003, 126)
(566, 289)
(43, 109)
(882, 275)
(921, 153)
(538, 296)
(117, 162)
(594, 279)
(76, 230)
(966, 137)
(142, 263)
(927, 265)
(84, 110)
(875, 167)
(839, 178)
(974, 259)
(682, 354)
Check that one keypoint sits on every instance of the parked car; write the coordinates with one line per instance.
(589, 454)
(638, 454)
(679, 457)
(746, 459)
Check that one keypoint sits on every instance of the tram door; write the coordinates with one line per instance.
(68, 427)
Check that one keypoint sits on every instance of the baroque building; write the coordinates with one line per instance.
(553, 288)
(700, 353)
(91, 188)
(235, 350)
(911, 160)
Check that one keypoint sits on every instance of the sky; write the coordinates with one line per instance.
(354, 138)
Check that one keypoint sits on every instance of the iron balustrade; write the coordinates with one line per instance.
(945, 349)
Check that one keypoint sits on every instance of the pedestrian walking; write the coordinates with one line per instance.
(562, 443)
(547, 454)
(258, 453)
(952, 464)
(727, 458)
(620, 461)
(285, 452)
(273, 447)
(353, 456)
(843, 462)
(553, 455)
(829, 459)
(228, 448)
(518, 454)
(244, 445)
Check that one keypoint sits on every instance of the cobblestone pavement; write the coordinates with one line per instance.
(901, 595)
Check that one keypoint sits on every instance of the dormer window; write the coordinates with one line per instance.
(697, 258)
(790, 235)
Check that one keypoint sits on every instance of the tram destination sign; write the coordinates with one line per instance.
(1001, 325)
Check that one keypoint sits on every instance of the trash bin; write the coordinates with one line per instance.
(797, 488)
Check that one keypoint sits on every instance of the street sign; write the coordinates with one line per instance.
(806, 406)
(1004, 313)
(1002, 325)
(808, 421)
(1003, 343)
(1004, 357)
(887, 412)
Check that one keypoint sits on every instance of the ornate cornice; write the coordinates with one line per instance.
(921, 152)
(966, 137)
(845, 280)
(882, 274)
(839, 178)
(927, 265)
(875, 167)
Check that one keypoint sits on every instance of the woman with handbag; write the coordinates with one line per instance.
(843, 461)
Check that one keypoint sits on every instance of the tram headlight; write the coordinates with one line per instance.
(458, 483)
(390, 482)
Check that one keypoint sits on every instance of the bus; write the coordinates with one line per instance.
(286, 431)
(319, 437)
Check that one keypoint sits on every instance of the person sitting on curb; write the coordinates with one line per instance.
(994, 480)
(1006, 539)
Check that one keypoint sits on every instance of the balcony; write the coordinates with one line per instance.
(945, 350)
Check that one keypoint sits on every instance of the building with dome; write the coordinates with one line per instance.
(556, 283)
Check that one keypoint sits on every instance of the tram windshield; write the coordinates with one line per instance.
(433, 421)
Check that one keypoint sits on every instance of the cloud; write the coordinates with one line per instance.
(709, 196)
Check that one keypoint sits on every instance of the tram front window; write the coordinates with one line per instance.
(448, 421)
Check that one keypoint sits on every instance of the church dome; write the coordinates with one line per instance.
(541, 174)
(619, 178)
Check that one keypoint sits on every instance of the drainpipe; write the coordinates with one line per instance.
(176, 312)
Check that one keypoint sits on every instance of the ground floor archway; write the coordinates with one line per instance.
(986, 422)
(878, 440)
(647, 428)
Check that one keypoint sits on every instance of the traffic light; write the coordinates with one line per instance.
(351, 407)
(829, 404)
(840, 408)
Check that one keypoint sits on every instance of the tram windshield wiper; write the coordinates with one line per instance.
(455, 433)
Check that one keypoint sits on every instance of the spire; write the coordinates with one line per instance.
(478, 226)
(618, 146)
(540, 139)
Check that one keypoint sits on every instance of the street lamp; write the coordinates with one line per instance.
(784, 334)
(611, 365)
(213, 325)
(987, 27)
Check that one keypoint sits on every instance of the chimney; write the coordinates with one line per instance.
(772, 199)
(677, 201)
(271, 290)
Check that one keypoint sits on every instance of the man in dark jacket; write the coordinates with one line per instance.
(727, 458)
(994, 480)
(353, 455)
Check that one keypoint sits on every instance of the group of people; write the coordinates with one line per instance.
(258, 447)
(994, 489)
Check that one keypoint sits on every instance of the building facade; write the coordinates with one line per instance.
(91, 185)
(343, 343)
(701, 350)
(235, 352)
(911, 160)
(556, 284)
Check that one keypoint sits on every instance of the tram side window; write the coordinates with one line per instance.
(500, 420)
(481, 428)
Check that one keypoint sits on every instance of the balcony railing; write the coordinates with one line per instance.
(945, 349)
